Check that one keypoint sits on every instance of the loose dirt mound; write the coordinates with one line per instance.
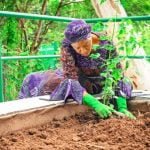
(84, 132)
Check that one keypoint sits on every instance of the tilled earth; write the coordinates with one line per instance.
(83, 132)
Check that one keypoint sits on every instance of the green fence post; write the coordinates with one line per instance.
(1, 75)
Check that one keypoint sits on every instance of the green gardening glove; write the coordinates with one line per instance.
(122, 107)
(103, 111)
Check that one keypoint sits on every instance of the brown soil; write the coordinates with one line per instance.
(83, 132)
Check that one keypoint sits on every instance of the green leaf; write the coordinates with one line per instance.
(95, 56)
(103, 74)
(127, 65)
(103, 37)
(108, 47)
(102, 1)
(95, 47)
(121, 48)
(117, 74)
(98, 27)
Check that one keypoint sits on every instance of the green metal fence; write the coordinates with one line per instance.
(60, 19)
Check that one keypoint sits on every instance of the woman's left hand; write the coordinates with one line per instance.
(127, 113)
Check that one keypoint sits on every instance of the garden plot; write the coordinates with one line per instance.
(83, 131)
(36, 123)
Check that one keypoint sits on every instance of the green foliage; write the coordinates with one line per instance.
(136, 7)
(15, 71)
(95, 56)
(131, 37)
(82, 9)
(17, 40)
(99, 27)
(9, 35)
(112, 74)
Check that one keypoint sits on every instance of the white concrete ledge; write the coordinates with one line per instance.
(26, 104)
(26, 113)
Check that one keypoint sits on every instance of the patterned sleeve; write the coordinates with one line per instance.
(70, 86)
(68, 64)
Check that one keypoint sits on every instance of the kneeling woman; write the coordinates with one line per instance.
(80, 75)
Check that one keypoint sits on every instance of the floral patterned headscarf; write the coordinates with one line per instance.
(77, 30)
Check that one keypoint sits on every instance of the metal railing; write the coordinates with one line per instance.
(60, 19)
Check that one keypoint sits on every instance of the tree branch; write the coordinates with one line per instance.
(22, 25)
(37, 34)
(47, 25)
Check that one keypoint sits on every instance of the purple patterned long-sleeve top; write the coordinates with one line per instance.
(84, 68)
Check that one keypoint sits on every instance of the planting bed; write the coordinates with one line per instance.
(84, 131)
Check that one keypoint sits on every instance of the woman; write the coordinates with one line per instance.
(79, 77)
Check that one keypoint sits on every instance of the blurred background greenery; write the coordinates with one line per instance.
(21, 37)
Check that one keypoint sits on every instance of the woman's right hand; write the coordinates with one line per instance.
(103, 111)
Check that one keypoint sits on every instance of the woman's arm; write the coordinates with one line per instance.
(68, 64)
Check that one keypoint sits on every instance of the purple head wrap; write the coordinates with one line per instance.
(77, 30)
